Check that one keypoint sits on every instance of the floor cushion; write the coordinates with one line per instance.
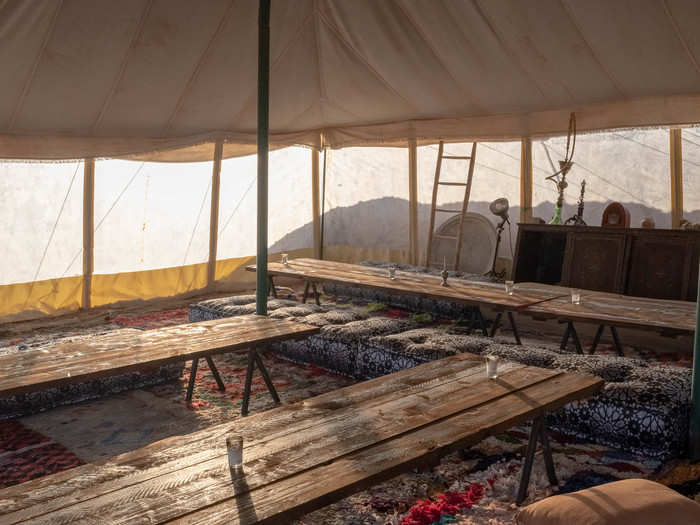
(627, 502)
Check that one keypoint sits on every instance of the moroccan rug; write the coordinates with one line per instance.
(475, 488)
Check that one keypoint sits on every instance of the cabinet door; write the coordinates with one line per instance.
(659, 267)
(595, 261)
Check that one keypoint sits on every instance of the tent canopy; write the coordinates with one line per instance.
(88, 78)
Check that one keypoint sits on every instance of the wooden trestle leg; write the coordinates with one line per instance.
(497, 323)
(537, 433)
(306, 291)
(271, 287)
(253, 359)
(193, 376)
(615, 336)
(571, 332)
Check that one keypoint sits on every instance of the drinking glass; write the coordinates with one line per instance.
(509, 287)
(575, 296)
(234, 446)
(392, 273)
(285, 259)
(492, 366)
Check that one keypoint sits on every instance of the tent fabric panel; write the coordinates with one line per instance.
(148, 284)
(20, 301)
(104, 79)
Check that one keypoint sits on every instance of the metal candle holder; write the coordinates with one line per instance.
(444, 273)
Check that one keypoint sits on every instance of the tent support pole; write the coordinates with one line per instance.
(263, 148)
(316, 202)
(214, 216)
(526, 180)
(695, 392)
(413, 201)
(676, 149)
(323, 204)
(88, 229)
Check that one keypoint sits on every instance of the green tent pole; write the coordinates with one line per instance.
(695, 395)
(263, 148)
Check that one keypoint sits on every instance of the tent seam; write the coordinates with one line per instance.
(30, 77)
(198, 66)
(122, 68)
(674, 24)
(567, 9)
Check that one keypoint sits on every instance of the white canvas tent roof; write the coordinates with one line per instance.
(86, 78)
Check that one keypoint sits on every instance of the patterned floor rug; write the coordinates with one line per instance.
(475, 488)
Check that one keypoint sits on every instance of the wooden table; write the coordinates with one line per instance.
(123, 351)
(305, 455)
(470, 293)
(668, 317)
(540, 301)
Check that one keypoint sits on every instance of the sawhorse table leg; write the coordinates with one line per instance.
(571, 332)
(476, 320)
(193, 376)
(271, 290)
(537, 433)
(513, 326)
(255, 359)
(317, 295)
(615, 336)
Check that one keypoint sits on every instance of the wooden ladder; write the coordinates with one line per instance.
(462, 213)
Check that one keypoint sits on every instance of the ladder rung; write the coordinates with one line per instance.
(441, 236)
(448, 211)
(456, 157)
(453, 183)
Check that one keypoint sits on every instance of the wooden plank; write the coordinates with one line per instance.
(189, 486)
(88, 230)
(149, 349)
(276, 434)
(282, 501)
(406, 283)
(316, 202)
(413, 201)
(621, 310)
(526, 180)
(214, 212)
(676, 171)
(431, 228)
(271, 424)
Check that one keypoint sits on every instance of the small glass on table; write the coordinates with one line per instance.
(234, 447)
(510, 285)
(285, 259)
(575, 296)
(492, 366)
(392, 273)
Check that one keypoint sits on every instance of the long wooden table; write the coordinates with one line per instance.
(123, 351)
(470, 293)
(540, 301)
(668, 317)
(302, 456)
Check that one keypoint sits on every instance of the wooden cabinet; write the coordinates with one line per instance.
(661, 264)
(594, 261)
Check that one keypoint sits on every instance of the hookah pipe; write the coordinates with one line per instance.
(577, 219)
(564, 167)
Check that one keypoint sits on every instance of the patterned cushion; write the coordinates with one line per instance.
(336, 348)
(642, 409)
(385, 354)
(231, 306)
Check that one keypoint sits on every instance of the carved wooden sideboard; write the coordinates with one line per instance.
(662, 264)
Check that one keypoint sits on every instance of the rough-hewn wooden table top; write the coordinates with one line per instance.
(301, 456)
(407, 283)
(128, 350)
(615, 309)
(536, 299)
